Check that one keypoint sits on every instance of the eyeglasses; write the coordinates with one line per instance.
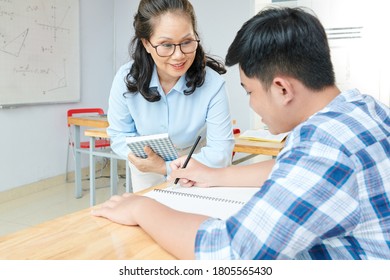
(186, 47)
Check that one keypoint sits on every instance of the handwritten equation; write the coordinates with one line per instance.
(39, 51)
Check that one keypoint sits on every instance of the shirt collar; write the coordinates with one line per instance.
(180, 85)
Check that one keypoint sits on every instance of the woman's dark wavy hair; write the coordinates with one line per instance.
(139, 77)
(286, 41)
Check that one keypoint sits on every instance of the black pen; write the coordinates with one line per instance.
(189, 156)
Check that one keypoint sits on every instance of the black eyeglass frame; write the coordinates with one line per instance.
(174, 49)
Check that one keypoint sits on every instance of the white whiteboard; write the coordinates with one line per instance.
(39, 52)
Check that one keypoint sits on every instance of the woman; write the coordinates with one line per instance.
(170, 86)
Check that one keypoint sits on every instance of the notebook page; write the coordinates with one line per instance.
(218, 202)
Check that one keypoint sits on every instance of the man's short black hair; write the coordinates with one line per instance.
(283, 41)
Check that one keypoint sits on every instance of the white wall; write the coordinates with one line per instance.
(33, 139)
(218, 23)
(124, 12)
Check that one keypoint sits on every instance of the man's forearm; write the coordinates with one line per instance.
(175, 231)
(253, 175)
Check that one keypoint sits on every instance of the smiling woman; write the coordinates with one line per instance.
(171, 62)
(170, 86)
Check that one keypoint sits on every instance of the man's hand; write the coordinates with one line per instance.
(195, 174)
(120, 209)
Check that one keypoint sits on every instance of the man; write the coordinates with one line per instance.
(327, 195)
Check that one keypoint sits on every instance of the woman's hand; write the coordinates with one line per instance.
(153, 163)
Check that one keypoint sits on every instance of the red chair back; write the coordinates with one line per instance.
(72, 112)
(235, 131)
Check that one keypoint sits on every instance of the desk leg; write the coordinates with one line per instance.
(128, 178)
(114, 175)
(77, 170)
(92, 199)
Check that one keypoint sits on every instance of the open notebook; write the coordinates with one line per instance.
(217, 202)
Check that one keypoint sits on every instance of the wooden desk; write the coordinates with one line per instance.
(92, 121)
(77, 122)
(241, 145)
(97, 133)
(256, 148)
(81, 236)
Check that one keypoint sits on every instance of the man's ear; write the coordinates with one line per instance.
(284, 89)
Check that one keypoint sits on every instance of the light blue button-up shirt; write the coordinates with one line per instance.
(181, 116)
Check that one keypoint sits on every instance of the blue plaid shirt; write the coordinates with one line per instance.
(326, 198)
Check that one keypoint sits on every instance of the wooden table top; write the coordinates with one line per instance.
(92, 121)
(102, 133)
(257, 147)
(240, 146)
(81, 236)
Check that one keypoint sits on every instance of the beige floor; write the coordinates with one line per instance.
(51, 202)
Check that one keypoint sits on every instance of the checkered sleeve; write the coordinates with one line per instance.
(308, 197)
(327, 196)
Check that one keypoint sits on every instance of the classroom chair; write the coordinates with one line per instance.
(99, 143)
(236, 131)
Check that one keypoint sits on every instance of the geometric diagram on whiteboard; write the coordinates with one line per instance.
(55, 25)
(14, 46)
(61, 81)
(39, 52)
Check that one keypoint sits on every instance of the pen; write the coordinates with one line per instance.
(189, 156)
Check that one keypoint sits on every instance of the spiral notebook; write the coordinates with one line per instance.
(161, 144)
(217, 202)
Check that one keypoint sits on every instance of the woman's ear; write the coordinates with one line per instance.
(283, 89)
(146, 45)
